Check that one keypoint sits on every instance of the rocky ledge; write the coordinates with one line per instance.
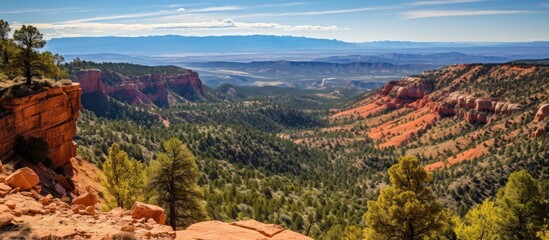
(25, 213)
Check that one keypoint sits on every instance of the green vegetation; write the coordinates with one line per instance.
(173, 183)
(407, 209)
(20, 57)
(124, 178)
(126, 69)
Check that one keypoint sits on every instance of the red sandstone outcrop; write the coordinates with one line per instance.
(23, 178)
(538, 132)
(50, 115)
(90, 81)
(407, 90)
(542, 113)
(242, 230)
(142, 210)
(86, 199)
(156, 88)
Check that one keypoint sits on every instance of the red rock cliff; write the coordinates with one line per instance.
(154, 88)
(50, 115)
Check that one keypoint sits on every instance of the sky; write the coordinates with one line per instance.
(347, 20)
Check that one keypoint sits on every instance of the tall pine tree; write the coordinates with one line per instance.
(173, 180)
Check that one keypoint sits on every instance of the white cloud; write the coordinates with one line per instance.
(216, 9)
(125, 16)
(444, 2)
(457, 13)
(181, 9)
(65, 29)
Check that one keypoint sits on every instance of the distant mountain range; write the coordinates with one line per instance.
(410, 58)
(172, 44)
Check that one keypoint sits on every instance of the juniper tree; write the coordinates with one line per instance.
(124, 178)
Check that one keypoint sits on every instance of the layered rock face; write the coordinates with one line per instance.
(417, 92)
(50, 115)
(157, 89)
(433, 113)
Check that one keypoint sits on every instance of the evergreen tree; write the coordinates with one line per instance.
(522, 207)
(407, 209)
(480, 223)
(124, 178)
(174, 181)
(29, 39)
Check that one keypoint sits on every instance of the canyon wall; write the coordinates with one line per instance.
(50, 114)
(157, 89)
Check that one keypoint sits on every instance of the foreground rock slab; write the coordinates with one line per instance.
(242, 230)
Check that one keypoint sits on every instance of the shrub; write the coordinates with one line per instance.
(33, 149)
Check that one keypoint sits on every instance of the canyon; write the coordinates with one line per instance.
(64, 200)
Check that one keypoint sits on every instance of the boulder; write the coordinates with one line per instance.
(542, 113)
(46, 200)
(86, 199)
(4, 187)
(143, 210)
(24, 178)
(91, 210)
(5, 219)
(127, 228)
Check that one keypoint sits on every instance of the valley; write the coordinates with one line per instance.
(289, 155)
(260, 120)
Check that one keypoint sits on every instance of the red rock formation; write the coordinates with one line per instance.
(141, 210)
(542, 113)
(388, 87)
(90, 81)
(242, 230)
(473, 117)
(23, 178)
(483, 104)
(140, 90)
(538, 132)
(86, 199)
(50, 115)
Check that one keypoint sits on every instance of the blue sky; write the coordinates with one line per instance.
(348, 20)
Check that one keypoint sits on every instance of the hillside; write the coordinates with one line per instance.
(471, 124)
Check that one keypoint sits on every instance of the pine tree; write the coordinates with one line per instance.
(174, 182)
(407, 209)
(29, 39)
(124, 178)
(523, 208)
(480, 223)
